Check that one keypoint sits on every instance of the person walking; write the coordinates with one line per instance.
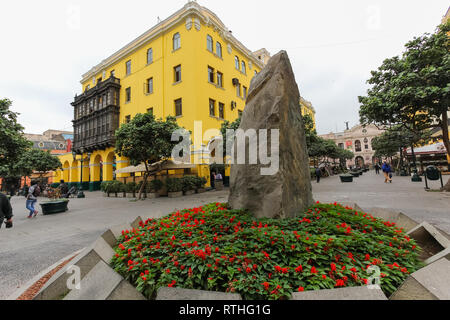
(318, 174)
(377, 168)
(33, 193)
(387, 172)
(5, 211)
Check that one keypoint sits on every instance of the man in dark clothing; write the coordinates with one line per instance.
(377, 168)
(5, 209)
(318, 174)
(64, 189)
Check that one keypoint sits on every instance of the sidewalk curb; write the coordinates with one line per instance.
(27, 285)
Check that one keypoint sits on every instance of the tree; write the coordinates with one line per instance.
(412, 91)
(39, 161)
(146, 140)
(12, 141)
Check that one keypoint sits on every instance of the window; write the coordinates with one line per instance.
(150, 110)
(256, 72)
(149, 86)
(149, 56)
(341, 145)
(221, 109)
(177, 73)
(236, 62)
(210, 74)
(212, 107)
(127, 119)
(238, 90)
(128, 67)
(178, 107)
(243, 69)
(88, 87)
(245, 92)
(219, 49)
(239, 113)
(176, 41)
(357, 146)
(128, 94)
(209, 43)
(219, 79)
(112, 73)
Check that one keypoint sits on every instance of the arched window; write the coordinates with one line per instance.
(236, 62)
(243, 69)
(209, 43)
(357, 146)
(176, 41)
(219, 49)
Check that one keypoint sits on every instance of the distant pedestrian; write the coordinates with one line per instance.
(64, 189)
(33, 193)
(213, 179)
(387, 171)
(219, 176)
(5, 211)
(318, 174)
(377, 168)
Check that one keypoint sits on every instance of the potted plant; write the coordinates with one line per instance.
(188, 185)
(130, 189)
(200, 184)
(174, 187)
(346, 177)
(153, 187)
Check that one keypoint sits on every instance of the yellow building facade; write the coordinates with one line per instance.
(307, 108)
(189, 66)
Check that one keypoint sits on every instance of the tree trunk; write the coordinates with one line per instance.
(144, 183)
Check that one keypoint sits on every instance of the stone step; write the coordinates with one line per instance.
(429, 283)
(348, 293)
(432, 242)
(56, 286)
(401, 219)
(166, 293)
(103, 283)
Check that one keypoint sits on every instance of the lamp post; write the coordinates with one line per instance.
(74, 154)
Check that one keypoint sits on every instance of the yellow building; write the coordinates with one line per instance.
(307, 108)
(189, 66)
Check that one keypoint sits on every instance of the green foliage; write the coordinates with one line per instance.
(188, 183)
(227, 125)
(219, 249)
(130, 187)
(114, 186)
(155, 185)
(174, 185)
(200, 182)
(12, 140)
(413, 90)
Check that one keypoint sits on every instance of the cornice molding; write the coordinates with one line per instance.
(190, 10)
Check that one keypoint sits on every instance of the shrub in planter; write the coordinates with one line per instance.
(116, 187)
(153, 187)
(130, 189)
(174, 187)
(200, 184)
(346, 177)
(188, 184)
(219, 249)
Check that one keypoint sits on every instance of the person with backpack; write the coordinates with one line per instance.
(33, 193)
(387, 171)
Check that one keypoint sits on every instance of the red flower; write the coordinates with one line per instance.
(299, 268)
(284, 270)
(266, 285)
(248, 270)
(333, 267)
(278, 268)
(300, 289)
(324, 276)
(313, 270)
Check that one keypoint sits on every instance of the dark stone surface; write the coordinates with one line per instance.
(273, 103)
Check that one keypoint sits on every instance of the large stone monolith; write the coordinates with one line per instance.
(273, 103)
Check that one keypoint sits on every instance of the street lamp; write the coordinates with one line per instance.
(74, 154)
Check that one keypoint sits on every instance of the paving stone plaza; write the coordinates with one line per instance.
(35, 244)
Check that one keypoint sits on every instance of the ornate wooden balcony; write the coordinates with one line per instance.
(96, 116)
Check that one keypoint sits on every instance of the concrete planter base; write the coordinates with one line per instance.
(131, 195)
(152, 195)
(175, 194)
(189, 192)
(201, 190)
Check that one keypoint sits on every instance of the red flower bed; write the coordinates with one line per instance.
(215, 248)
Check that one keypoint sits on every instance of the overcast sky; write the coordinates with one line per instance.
(46, 45)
